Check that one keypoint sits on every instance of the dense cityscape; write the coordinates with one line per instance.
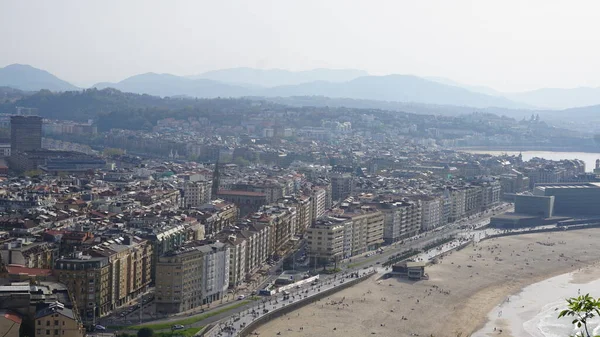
(192, 215)
(299, 168)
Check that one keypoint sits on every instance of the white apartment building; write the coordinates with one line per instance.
(432, 213)
(318, 203)
(196, 193)
(402, 219)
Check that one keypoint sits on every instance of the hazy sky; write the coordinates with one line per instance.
(509, 45)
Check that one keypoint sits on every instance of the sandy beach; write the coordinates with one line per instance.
(463, 288)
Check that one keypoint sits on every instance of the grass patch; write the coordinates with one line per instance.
(189, 320)
(183, 333)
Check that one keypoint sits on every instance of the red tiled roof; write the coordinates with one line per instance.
(13, 317)
(243, 193)
(18, 269)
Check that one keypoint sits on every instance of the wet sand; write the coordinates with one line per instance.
(462, 289)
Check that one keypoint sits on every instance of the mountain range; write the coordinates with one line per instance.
(335, 83)
(28, 78)
(251, 77)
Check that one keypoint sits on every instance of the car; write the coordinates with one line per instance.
(99, 327)
(241, 297)
(177, 327)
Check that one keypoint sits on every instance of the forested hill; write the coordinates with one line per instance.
(114, 109)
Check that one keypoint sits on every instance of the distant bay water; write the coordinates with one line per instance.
(588, 157)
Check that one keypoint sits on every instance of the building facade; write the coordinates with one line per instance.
(192, 276)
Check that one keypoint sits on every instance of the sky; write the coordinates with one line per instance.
(509, 45)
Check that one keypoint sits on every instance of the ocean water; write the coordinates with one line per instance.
(534, 311)
(546, 323)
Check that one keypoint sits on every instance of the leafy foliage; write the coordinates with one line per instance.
(111, 108)
(582, 309)
(145, 332)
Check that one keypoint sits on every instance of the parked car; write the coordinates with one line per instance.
(99, 327)
(177, 327)
(241, 297)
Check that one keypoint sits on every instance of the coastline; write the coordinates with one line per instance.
(515, 148)
(533, 311)
(457, 299)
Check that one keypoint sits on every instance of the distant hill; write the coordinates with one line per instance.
(8, 94)
(28, 78)
(556, 98)
(111, 108)
(475, 88)
(251, 77)
(397, 88)
(171, 85)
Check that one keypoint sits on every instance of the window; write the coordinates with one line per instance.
(55, 322)
(47, 332)
(39, 322)
(47, 323)
(56, 332)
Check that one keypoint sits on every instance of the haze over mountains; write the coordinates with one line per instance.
(276, 77)
(28, 78)
(335, 83)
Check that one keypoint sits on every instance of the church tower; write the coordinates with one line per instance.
(215, 181)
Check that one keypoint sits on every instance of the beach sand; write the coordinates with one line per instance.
(458, 296)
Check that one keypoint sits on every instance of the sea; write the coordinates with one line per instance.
(588, 158)
(534, 311)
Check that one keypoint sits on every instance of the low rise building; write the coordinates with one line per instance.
(58, 321)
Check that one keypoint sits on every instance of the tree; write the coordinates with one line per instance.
(582, 308)
(145, 332)
(33, 173)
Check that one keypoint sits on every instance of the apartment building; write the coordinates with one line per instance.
(367, 227)
(473, 199)
(165, 239)
(329, 239)
(259, 245)
(432, 212)
(341, 185)
(456, 199)
(89, 282)
(196, 193)
(304, 207)
(491, 194)
(237, 255)
(218, 214)
(28, 253)
(319, 196)
(130, 260)
(191, 276)
(402, 219)
(283, 221)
